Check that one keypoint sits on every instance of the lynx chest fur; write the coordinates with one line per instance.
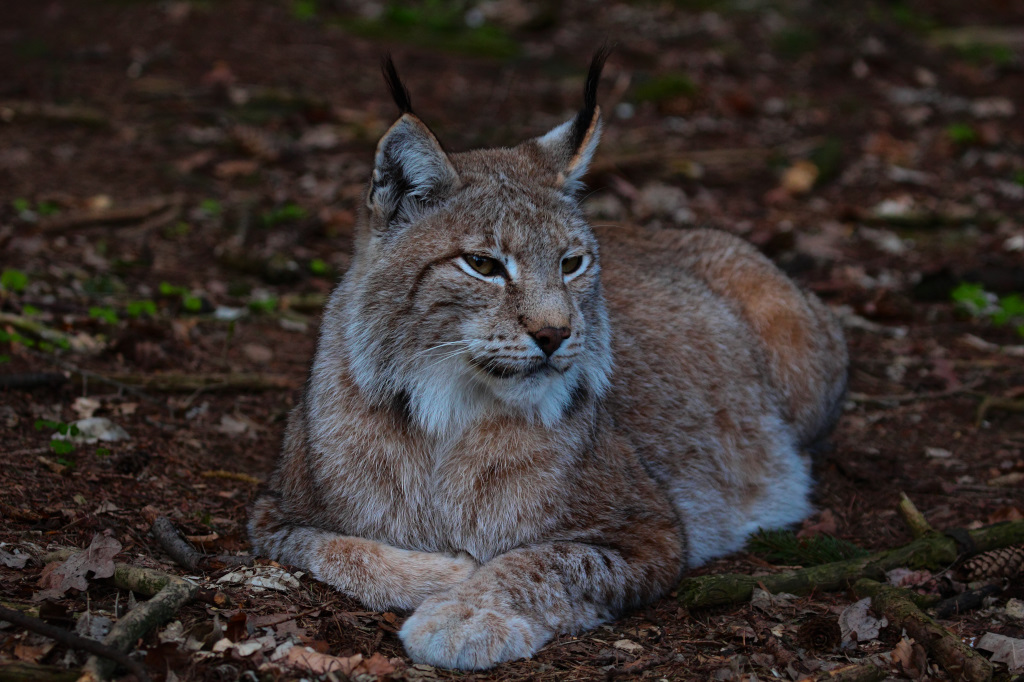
(517, 424)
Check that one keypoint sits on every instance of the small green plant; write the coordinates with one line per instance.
(21, 205)
(288, 213)
(105, 313)
(1001, 310)
(58, 446)
(784, 547)
(665, 86)
(1018, 177)
(102, 452)
(189, 302)
(983, 53)
(13, 280)
(304, 10)
(4, 358)
(47, 208)
(211, 207)
(794, 42)
(962, 134)
(263, 305)
(140, 308)
(29, 310)
(319, 267)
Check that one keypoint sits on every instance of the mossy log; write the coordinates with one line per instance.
(931, 552)
(958, 659)
(22, 671)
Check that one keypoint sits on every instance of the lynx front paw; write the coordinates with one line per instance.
(451, 634)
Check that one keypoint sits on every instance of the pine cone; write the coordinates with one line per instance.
(255, 142)
(1006, 562)
(820, 633)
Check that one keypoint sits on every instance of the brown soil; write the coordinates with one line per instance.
(260, 126)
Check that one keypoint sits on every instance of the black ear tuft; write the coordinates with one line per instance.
(398, 90)
(581, 123)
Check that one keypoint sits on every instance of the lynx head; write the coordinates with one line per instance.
(475, 285)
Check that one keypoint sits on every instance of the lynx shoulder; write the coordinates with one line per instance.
(518, 425)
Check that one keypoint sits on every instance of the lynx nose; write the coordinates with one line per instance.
(550, 338)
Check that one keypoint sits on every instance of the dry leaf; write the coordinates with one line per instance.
(629, 646)
(800, 177)
(857, 624)
(320, 664)
(97, 560)
(13, 560)
(1008, 650)
(826, 523)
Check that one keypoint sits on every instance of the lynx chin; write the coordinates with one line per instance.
(517, 424)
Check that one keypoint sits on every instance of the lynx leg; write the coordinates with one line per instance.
(378, 575)
(514, 604)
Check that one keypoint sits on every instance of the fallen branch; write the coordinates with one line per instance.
(167, 595)
(993, 403)
(70, 639)
(959, 660)
(965, 601)
(23, 671)
(932, 552)
(31, 380)
(173, 382)
(232, 475)
(56, 113)
(36, 328)
(857, 672)
(918, 525)
(185, 555)
(896, 398)
(129, 213)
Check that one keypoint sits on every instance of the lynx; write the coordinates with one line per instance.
(518, 425)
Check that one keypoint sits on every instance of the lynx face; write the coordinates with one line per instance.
(469, 309)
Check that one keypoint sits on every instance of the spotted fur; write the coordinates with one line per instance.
(441, 461)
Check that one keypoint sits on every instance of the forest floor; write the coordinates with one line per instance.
(178, 185)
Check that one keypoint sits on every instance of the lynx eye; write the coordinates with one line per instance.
(571, 265)
(482, 264)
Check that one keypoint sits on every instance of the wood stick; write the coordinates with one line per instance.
(931, 552)
(70, 639)
(31, 380)
(857, 672)
(916, 523)
(180, 382)
(958, 659)
(129, 213)
(185, 555)
(23, 671)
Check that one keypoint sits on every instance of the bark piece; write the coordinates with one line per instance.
(932, 552)
(952, 654)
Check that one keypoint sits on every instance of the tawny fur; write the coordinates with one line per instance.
(440, 462)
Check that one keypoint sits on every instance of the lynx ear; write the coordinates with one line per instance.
(411, 169)
(570, 146)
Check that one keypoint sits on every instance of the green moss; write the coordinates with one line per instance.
(665, 86)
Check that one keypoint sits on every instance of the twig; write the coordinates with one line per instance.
(23, 671)
(993, 403)
(960, 660)
(918, 525)
(180, 382)
(57, 113)
(857, 672)
(184, 554)
(233, 475)
(965, 601)
(74, 641)
(175, 545)
(130, 213)
(167, 594)
(35, 327)
(31, 380)
(933, 552)
(889, 400)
